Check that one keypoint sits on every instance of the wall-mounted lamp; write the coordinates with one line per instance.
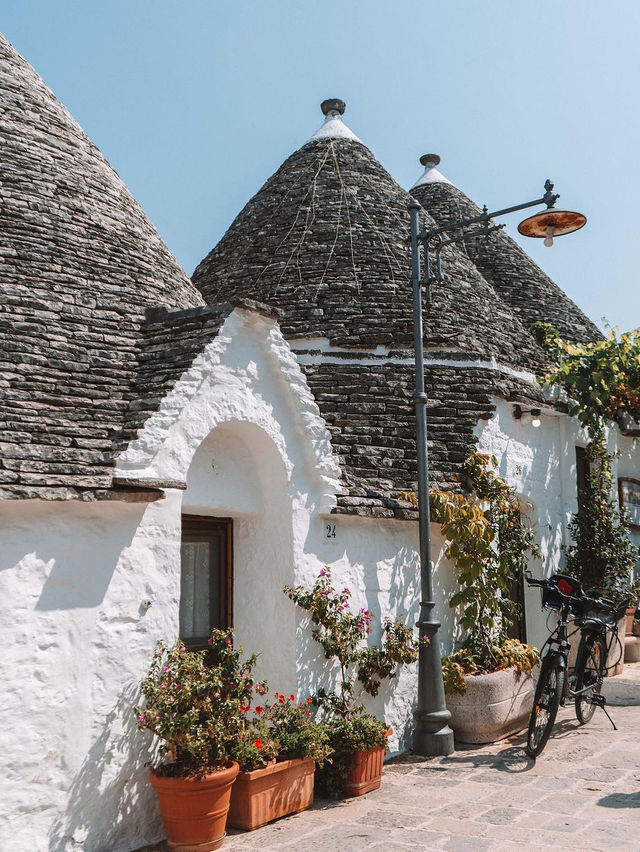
(527, 415)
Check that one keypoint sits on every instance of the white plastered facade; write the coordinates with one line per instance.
(86, 589)
(540, 463)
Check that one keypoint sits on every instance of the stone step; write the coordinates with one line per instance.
(624, 689)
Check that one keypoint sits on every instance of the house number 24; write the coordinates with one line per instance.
(331, 530)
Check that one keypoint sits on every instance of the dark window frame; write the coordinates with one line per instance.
(215, 531)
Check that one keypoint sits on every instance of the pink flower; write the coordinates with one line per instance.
(142, 718)
(165, 668)
(182, 648)
(216, 695)
(261, 689)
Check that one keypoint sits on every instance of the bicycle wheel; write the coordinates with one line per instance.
(591, 667)
(545, 705)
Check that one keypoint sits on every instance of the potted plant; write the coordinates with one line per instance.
(488, 682)
(277, 760)
(357, 739)
(195, 711)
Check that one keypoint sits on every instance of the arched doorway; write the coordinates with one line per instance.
(237, 546)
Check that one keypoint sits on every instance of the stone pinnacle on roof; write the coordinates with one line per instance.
(520, 283)
(431, 174)
(334, 127)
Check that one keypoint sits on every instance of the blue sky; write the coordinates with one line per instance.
(196, 103)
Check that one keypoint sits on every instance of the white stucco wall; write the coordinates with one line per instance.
(541, 465)
(243, 434)
(76, 638)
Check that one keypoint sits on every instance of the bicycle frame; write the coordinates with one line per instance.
(558, 646)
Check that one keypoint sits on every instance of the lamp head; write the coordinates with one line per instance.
(552, 223)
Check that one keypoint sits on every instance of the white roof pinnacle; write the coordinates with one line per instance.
(333, 127)
(431, 173)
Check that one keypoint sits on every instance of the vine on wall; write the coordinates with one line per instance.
(602, 380)
(489, 544)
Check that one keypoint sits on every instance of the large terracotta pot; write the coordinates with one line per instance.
(194, 811)
(271, 792)
(494, 706)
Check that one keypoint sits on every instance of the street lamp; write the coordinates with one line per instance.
(432, 735)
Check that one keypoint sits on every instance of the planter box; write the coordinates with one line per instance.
(494, 706)
(271, 792)
(366, 774)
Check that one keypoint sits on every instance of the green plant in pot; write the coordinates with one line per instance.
(277, 755)
(194, 709)
(357, 738)
(490, 544)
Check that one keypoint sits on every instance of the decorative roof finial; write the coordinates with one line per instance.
(333, 127)
(431, 173)
(430, 160)
(333, 105)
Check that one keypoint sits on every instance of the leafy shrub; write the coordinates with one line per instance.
(510, 654)
(290, 723)
(489, 544)
(342, 634)
(196, 709)
(601, 556)
(347, 734)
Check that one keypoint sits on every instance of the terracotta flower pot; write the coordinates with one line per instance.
(194, 811)
(366, 774)
(494, 706)
(271, 792)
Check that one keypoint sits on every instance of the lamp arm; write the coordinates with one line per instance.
(549, 198)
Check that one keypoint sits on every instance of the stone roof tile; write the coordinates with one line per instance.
(79, 263)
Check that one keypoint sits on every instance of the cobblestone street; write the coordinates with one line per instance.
(582, 793)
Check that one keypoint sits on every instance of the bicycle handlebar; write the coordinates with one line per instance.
(603, 604)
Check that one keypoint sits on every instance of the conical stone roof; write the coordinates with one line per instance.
(79, 263)
(326, 240)
(521, 284)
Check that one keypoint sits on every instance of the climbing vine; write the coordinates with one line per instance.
(602, 379)
(489, 544)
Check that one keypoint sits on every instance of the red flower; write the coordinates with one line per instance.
(306, 713)
(281, 699)
(258, 744)
(309, 700)
(259, 709)
(292, 698)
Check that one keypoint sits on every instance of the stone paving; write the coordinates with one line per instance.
(582, 793)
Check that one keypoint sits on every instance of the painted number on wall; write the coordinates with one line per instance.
(330, 530)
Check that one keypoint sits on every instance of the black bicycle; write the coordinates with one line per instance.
(597, 619)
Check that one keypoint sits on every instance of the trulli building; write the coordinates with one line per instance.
(174, 451)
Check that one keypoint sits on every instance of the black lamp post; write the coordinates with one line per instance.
(432, 735)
